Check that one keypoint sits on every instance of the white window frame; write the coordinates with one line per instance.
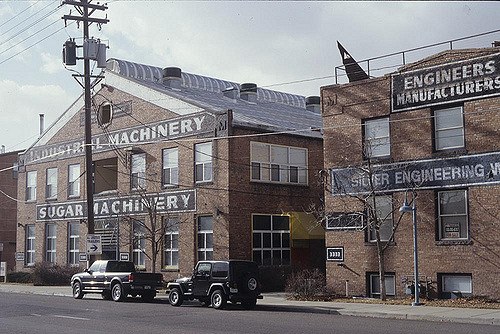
(454, 132)
(384, 212)
(279, 164)
(50, 242)
(390, 284)
(203, 165)
(31, 180)
(205, 235)
(51, 183)
(30, 245)
(276, 239)
(450, 232)
(377, 140)
(138, 245)
(74, 180)
(73, 244)
(171, 244)
(138, 171)
(170, 167)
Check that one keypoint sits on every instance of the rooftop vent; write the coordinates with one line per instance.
(495, 44)
(313, 103)
(248, 92)
(230, 92)
(172, 77)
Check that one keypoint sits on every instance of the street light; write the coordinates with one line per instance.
(407, 208)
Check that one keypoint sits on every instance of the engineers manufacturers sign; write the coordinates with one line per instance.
(464, 80)
(480, 169)
(176, 201)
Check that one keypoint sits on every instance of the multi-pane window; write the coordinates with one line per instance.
(171, 244)
(73, 243)
(271, 239)
(138, 171)
(74, 180)
(170, 167)
(50, 243)
(449, 128)
(380, 218)
(205, 238)
(51, 186)
(203, 162)
(390, 285)
(138, 245)
(377, 141)
(31, 186)
(275, 163)
(452, 215)
(30, 245)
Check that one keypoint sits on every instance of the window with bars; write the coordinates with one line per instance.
(171, 244)
(74, 180)
(50, 243)
(170, 176)
(205, 236)
(279, 164)
(203, 162)
(30, 245)
(271, 239)
(73, 243)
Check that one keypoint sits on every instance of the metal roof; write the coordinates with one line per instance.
(272, 110)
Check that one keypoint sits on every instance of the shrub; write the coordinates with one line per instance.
(273, 278)
(308, 285)
(19, 277)
(46, 273)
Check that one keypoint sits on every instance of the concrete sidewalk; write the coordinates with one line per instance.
(278, 301)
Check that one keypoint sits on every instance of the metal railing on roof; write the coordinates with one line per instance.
(403, 56)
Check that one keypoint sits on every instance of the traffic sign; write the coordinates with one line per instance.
(94, 246)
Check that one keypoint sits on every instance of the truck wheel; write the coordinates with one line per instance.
(249, 304)
(77, 290)
(117, 293)
(218, 300)
(175, 297)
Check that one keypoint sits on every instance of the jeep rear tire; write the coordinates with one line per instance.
(218, 300)
(175, 297)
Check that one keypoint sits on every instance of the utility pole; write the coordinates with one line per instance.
(86, 9)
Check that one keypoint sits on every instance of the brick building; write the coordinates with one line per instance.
(231, 170)
(431, 131)
(8, 207)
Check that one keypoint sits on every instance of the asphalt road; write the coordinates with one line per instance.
(22, 313)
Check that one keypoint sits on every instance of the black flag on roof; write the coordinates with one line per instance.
(352, 68)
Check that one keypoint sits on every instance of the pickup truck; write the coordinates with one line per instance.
(217, 282)
(116, 280)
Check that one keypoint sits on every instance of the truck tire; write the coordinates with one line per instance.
(77, 290)
(175, 297)
(117, 293)
(218, 299)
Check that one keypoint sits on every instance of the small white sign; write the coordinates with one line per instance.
(3, 269)
(94, 246)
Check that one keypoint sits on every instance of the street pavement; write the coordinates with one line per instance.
(278, 301)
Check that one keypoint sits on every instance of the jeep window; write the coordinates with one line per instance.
(204, 269)
(220, 270)
(95, 266)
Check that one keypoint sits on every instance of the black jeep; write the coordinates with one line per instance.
(216, 282)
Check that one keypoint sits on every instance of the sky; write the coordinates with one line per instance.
(289, 46)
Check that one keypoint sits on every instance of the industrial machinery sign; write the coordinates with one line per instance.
(174, 201)
(459, 81)
(479, 169)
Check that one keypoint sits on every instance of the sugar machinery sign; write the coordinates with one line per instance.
(464, 80)
(175, 201)
(480, 169)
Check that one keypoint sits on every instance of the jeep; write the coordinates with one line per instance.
(217, 282)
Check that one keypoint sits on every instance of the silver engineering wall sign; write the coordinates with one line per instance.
(166, 202)
(459, 81)
(479, 169)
